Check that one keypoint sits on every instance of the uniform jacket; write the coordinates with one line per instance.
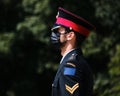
(74, 76)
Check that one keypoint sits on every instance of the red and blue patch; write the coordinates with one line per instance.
(69, 71)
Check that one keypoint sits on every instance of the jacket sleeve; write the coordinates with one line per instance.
(70, 81)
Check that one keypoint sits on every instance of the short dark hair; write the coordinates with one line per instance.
(79, 39)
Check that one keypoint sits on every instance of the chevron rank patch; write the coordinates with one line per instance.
(69, 71)
(72, 89)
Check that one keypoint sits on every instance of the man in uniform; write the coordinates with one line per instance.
(74, 76)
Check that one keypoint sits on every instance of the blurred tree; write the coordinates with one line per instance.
(108, 40)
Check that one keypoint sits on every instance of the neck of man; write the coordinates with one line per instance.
(66, 48)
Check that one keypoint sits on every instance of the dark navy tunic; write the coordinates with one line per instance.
(74, 76)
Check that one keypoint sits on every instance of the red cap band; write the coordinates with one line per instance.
(78, 28)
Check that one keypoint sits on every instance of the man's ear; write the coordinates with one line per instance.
(70, 35)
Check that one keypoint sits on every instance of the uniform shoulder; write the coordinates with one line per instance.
(77, 58)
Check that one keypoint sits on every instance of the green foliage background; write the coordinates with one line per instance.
(27, 61)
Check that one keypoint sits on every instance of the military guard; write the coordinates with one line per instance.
(74, 76)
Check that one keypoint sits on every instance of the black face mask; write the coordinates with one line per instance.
(55, 39)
